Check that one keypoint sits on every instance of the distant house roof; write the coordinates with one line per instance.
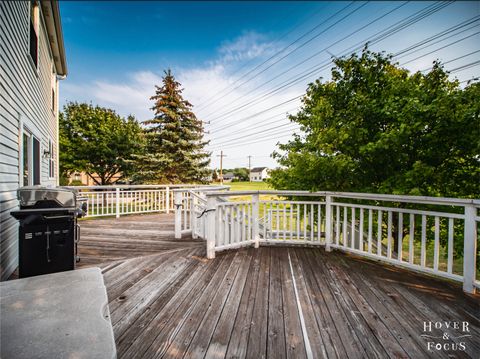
(229, 175)
(258, 169)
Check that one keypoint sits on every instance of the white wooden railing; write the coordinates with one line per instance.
(432, 235)
(127, 199)
(190, 204)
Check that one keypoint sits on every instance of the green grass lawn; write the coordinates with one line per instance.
(248, 186)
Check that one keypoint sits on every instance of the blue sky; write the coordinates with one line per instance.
(117, 51)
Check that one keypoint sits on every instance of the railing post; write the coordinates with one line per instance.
(178, 214)
(469, 248)
(210, 235)
(328, 223)
(117, 202)
(167, 199)
(256, 219)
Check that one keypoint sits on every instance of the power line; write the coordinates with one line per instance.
(252, 60)
(262, 136)
(441, 34)
(249, 135)
(272, 132)
(287, 133)
(292, 51)
(317, 53)
(279, 52)
(470, 80)
(464, 67)
(441, 48)
(264, 111)
(235, 141)
(258, 141)
(265, 122)
(400, 25)
(452, 60)
(261, 112)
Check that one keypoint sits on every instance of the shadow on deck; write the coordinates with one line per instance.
(167, 300)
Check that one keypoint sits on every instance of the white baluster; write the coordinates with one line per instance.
(411, 235)
(389, 234)
(379, 232)
(436, 244)
(450, 245)
(423, 250)
(167, 199)
(178, 214)
(328, 223)
(400, 237)
(360, 231)
(256, 219)
(469, 248)
(117, 202)
(352, 236)
(370, 230)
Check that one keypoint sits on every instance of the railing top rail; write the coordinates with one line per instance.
(204, 189)
(134, 186)
(355, 195)
(196, 195)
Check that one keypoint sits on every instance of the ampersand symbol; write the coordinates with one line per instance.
(445, 336)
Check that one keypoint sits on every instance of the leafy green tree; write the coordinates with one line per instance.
(214, 175)
(241, 173)
(374, 127)
(174, 149)
(97, 141)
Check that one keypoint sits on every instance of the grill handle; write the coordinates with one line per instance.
(29, 219)
(47, 218)
(77, 239)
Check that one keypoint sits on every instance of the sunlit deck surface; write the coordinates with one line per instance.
(167, 300)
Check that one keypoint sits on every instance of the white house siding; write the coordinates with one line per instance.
(258, 176)
(25, 101)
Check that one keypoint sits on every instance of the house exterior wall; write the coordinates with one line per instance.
(86, 180)
(259, 176)
(26, 100)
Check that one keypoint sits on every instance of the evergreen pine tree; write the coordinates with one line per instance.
(174, 150)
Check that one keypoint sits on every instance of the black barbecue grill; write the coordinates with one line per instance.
(49, 233)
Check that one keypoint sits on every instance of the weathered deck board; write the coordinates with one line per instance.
(257, 340)
(276, 326)
(237, 346)
(109, 239)
(295, 345)
(168, 301)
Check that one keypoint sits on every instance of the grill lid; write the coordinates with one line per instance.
(45, 197)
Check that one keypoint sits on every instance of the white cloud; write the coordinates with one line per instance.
(246, 47)
(129, 98)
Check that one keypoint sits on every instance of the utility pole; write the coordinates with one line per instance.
(221, 165)
(249, 168)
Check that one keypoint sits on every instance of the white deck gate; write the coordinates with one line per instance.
(190, 213)
(432, 235)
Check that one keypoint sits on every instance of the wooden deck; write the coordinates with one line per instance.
(167, 300)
